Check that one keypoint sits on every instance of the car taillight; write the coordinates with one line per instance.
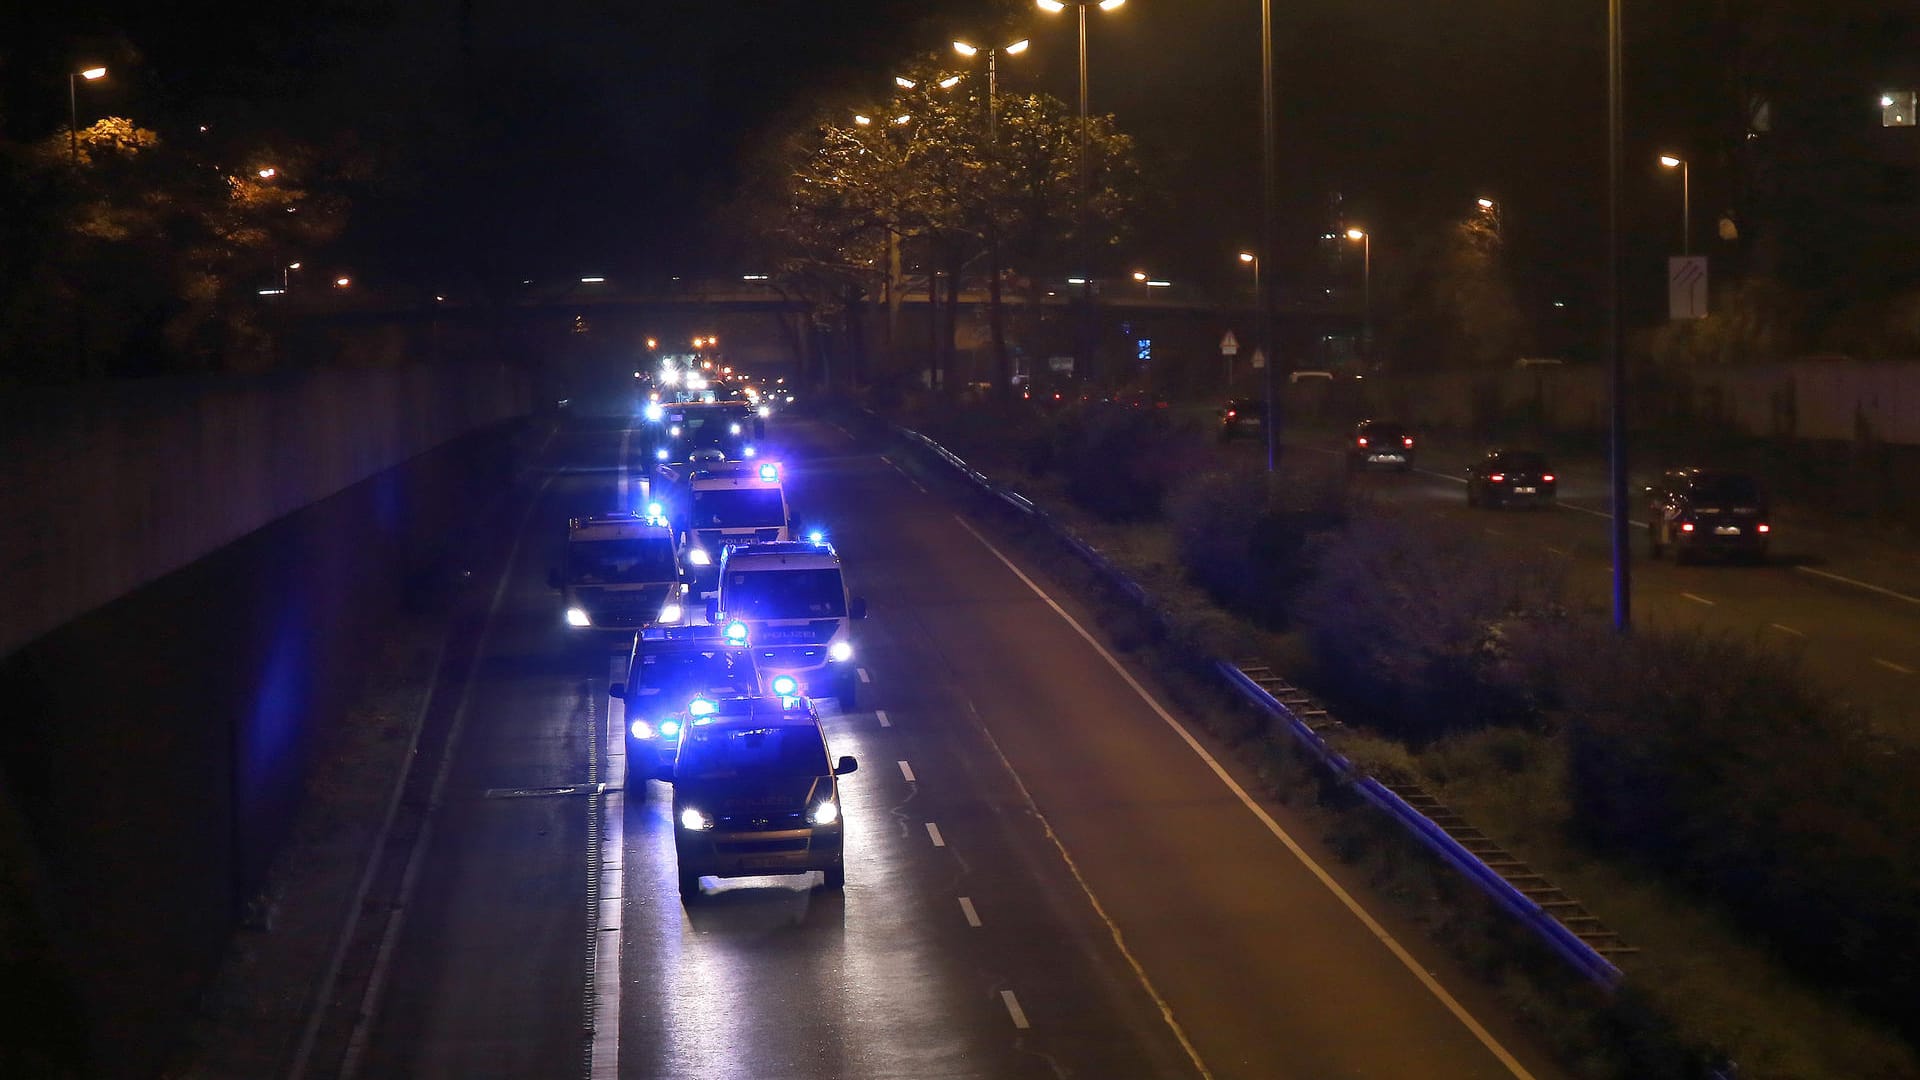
(1546, 478)
(1406, 441)
(1686, 526)
(1231, 414)
(1498, 478)
(1362, 441)
(1764, 527)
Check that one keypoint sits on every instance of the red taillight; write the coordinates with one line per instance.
(1362, 440)
(1231, 414)
(1546, 478)
(1406, 440)
(1686, 526)
(1056, 397)
(1764, 527)
(1498, 478)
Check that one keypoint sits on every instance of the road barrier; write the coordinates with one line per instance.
(1570, 946)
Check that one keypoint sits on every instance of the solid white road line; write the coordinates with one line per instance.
(881, 715)
(966, 908)
(1013, 1009)
(864, 677)
(933, 833)
(1596, 513)
(606, 882)
(1555, 550)
(626, 437)
(1346, 899)
(1891, 666)
(906, 770)
(1785, 629)
(1697, 599)
(1858, 584)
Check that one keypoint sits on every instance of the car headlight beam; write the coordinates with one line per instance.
(699, 557)
(693, 820)
(578, 617)
(671, 613)
(825, 813)
(841, 651)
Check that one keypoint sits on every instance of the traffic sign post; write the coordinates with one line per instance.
(1229, 345)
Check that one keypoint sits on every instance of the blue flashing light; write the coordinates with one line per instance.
(653, 411)
(816, 537)
(669, 728)
(786, 685)
(769, 472)
(654, 510)
(737, 632)
(700, 707)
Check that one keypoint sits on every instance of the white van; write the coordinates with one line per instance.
(726, 505)
(793, 601)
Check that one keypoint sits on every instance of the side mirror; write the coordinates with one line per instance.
(713, 609)
(857, 607)
(847, 765)
(554, 582)
(617, 690)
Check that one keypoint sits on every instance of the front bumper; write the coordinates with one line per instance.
(748, 853)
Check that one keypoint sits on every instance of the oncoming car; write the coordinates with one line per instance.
(673, 679)
(754, 793)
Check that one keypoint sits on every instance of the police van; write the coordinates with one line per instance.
(726, 504)
(791, 601)
(622, 574)
(676, 678)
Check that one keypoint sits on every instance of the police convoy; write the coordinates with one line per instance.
(737, 623)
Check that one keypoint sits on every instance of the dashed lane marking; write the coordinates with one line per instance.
(966, 908)
(1697, 599)
(1785, 629)
(933, 833)
(1891, 666)
(881, 715)
(1555, 550)
(1014, 1010)
(906, 770)
(864, 677)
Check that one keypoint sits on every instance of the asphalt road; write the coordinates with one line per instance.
(1845, 604)
(1047, 876)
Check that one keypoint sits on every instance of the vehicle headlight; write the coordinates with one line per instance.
(786, 685)
(701, 707)
(641, 729)
(674, 431)
(671, 613)
(766, 411)
(699, 557)
(840, 650)
(825, 813)
(737, 632)
(693, 820)
(660, 454)
(653, 410)
(669, 728)
(733, 429)
(578, 617)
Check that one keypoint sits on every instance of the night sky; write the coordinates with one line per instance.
(573, 136)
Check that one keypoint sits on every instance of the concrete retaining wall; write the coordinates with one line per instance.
(108, 487)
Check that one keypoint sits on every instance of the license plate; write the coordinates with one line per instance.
(1523, 491)
(1726, 530)
(1392, 458)
(762, 864)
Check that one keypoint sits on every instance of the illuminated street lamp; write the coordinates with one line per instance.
(269, 173)
(1248, 258)
(1686, 201)
(993, 77)
(1366, 289)
(73, 106)
(1054, 7)
(862, 119)
(342, 282)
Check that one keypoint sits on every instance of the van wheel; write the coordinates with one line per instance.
(836, 876)
(689, 887)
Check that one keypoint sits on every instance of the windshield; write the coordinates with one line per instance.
(708, 753)
(679, 674)
(1726, 490)
(738, 508)
(618, 562)
(1519, 461)
(786, 594)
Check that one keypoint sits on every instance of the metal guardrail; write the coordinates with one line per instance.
(1577, 953)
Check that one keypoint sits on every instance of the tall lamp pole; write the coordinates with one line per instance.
(1617, 371)
(73, 107)
(1269, 172)
(1686, 200)
(1002, 372)
(1366, 290)
(1055, 7)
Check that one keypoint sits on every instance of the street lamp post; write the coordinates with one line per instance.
(1269, 180)
(73, 107)
(1616, 364)
(1055, 7)
(1003, 379)
(1366, 290)
(1686, 200)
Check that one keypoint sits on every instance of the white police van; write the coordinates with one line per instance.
(790, 600)
(622, 574)
(727, 504)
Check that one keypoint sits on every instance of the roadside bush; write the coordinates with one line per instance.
(1417, 632)
(1247, 539)
(1716, 762)
(1120, 463)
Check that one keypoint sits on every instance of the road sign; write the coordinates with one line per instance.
(1687, 287)
(1259, 358)
(1229, 345)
